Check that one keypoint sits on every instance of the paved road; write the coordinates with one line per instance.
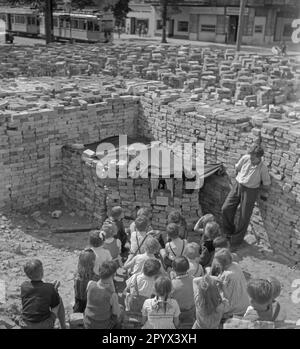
(292, 49)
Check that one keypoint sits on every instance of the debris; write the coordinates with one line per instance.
(56, 214)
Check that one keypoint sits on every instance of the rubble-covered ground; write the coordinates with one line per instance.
(23, 238)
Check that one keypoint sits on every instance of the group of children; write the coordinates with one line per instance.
(171, 282)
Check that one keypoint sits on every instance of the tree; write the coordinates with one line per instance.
(120, 10)
(165, 7)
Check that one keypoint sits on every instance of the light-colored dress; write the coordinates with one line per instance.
(203, 320)
(145, 284)
(157, 317)
(235, 290)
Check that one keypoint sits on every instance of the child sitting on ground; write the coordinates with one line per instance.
(103, 310)
(210, 303)
(183, 289)
(174, 248)
(139, 236)
(135, 264)
(200, 225)
(263, 307)
(177, 218)
(116, 217)
(211, 231)
(146, 211)
(85, 273)
(191, 252)
(234, 284)
(161, 312)
(41, 303)
(141, 286)
(96, 239)
(112, 244)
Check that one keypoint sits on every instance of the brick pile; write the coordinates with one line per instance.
(274, 78)
(32, 136)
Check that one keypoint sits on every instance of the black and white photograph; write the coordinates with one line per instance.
(149, 168)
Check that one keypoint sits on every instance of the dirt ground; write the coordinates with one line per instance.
(22, 238)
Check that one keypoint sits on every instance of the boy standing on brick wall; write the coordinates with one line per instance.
(252, 175)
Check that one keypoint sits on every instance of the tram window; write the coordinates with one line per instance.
(55, 23)
(75, 23)
(84, 25)
(96, 27)
(12, 19)
(67, 24)
(90, 26)
(81, 24)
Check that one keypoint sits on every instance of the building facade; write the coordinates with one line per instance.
(266, 21)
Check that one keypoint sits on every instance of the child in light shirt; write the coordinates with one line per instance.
(96, 239)
(175, 247)
(112, 244)
(191, 252)
(135, 264)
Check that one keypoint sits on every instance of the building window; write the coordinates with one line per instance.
(287, 30)
(183, 26)
(208, 28)
(258, 29)
(159, 24)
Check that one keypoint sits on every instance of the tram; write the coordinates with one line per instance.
(77, 26)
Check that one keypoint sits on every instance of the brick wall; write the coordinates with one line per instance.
(228, 132)
(31, 142)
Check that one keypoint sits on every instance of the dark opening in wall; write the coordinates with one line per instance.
(213, 194)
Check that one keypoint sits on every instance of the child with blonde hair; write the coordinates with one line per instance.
(201, 223)
(139, 236)
(135, 264)
(211, 231)
(144, 211)
(161, 312)
(111, 243)
(191, 252)
(85, 273)
(210, 303)
(141, 286)
(96, 239)
(176, 217)
(173, 248)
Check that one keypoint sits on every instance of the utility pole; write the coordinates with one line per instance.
(48, 13)
(241, 25)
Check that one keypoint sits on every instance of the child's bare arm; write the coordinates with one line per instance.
(197, 227)
(129, 263)
(163, 253)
